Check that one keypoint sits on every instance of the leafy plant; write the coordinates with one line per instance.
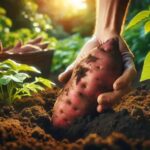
(66, 51)
(146, 68)
(141, 17)
(138, 37)
(13, 84)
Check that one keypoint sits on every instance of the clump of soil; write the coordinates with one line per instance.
(27, 125)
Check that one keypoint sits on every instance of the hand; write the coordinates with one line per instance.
(92, 43)
(123, 84)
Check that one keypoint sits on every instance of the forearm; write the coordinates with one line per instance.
(110, 16)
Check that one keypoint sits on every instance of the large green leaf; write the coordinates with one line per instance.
(139, 17)
(146, 68)
(19, 78)
(147, 27)
(20, 67)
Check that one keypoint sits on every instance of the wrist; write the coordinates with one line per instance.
(110, 15)
(106, 34)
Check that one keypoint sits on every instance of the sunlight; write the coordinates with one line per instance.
(78, 4)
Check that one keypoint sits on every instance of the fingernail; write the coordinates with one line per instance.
(116, 86)
(99, 108)
(60, 76)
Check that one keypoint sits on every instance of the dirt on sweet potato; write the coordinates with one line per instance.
(27, 125)
(95, 74)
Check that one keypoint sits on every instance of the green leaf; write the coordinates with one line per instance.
(21, 76)
(13, 78)
(20, 67)
(4, 80)
(33, 87)
(45, 82)
(146, 68)
(4, 66)
(23, 91)
(147, 27)
(138, 18)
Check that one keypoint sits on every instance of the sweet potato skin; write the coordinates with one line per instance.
(94, 75)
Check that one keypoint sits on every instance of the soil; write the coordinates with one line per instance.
(26, 125)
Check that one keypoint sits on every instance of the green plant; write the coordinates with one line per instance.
(10, 37)
(13, 84)
(143, 18)
(66, 51)
(138, 37)
(146, 68)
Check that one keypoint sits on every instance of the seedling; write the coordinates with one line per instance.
(13, 83)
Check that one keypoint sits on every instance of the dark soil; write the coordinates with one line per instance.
(27, 125)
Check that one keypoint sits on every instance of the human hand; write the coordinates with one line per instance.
(88, 46)
(121, 86)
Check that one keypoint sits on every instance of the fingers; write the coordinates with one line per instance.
(126, 78)
(65, 76)
(107, 100)
(129, 69)
(101, 108)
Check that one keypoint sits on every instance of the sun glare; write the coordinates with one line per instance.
(78, 4)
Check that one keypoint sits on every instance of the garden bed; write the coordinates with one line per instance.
(27, 125)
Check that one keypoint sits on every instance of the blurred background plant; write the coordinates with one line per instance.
(66, 24)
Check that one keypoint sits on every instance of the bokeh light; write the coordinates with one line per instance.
(77, 4)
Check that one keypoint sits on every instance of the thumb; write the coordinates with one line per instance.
(65, 76)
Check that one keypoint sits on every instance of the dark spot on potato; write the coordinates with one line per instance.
(65, 119)
(83, 85)
(80, 94)
(61, 111)
(80, 73)
(66, 91)
(75, 108)
(68, 102)
(101, 48)
(97, 79)
(91, 58)
(98, 67)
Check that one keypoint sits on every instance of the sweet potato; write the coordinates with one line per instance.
(94, 75)
(28, 48)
